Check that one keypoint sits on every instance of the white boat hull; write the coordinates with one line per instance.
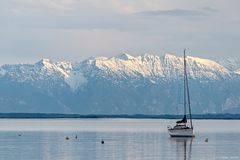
(188, 132)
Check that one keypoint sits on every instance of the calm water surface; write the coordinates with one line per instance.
(130, 139)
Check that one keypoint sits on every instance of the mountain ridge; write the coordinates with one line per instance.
(122, 84)
(122, 61)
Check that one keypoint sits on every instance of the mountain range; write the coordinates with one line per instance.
(123, 84)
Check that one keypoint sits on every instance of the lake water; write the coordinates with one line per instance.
(130, 139)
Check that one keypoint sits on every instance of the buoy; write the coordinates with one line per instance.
(206, 140)
(102, 141)
(19, 135)
(67, 138)
(76, 137)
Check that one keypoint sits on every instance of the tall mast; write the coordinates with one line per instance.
(185, 100)
(187, 89)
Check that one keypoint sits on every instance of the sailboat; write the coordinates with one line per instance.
(182, 128)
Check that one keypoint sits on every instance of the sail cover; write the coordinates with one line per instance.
(184, 120)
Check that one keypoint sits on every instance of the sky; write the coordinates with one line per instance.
(73, 30)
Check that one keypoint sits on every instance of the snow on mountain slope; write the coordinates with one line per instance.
(75, 80)
(146, 66)
(205, 68)
(123, 66)
(64, 68)
(237, 71)
(42, 70)
(230, 63)
(155, 67)
(2, 72)
(124, 56)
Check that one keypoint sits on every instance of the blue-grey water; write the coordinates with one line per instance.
(130, 139)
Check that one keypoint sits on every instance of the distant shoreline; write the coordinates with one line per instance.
(134, 116)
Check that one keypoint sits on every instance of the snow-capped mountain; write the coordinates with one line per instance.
(42, 70)
(123, 84)
(167, 67)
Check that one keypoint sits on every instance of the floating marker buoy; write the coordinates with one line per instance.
(206, 140)
(102, 141)
(19, 135)
(76, 137)
(67, 138)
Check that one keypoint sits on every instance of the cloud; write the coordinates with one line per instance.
(174, 13)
